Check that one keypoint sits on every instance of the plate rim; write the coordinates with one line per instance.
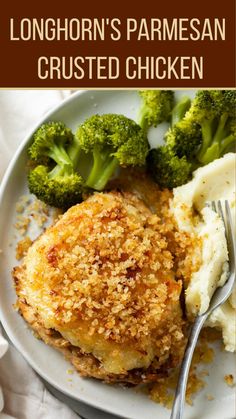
(81, 397)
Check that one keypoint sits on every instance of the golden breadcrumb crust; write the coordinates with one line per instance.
(86, 364)
(109, 273)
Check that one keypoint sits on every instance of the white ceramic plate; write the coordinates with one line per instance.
(45, 360)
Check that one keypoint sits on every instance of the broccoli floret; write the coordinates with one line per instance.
(156, 107)
(112, 141)
(184, 138)
(61, 191)
(184, 135)
(223, 142)
(168, 164)
(54, 180)
(229, 142)
(203, 130)
(49, 142)
(214, 111)
(167, 169)
(68, 165)
(180, 109)
(206, 132)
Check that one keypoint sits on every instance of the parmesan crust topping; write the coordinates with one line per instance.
(106, 277)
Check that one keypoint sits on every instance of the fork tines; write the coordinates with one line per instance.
(226, 217)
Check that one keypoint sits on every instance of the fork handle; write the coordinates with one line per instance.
(178, 406)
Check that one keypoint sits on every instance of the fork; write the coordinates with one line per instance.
(220, 295)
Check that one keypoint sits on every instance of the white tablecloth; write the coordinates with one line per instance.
(22, 394)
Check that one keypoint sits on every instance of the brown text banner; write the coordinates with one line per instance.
(126, 44)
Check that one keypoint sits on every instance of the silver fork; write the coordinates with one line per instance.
(220, 295)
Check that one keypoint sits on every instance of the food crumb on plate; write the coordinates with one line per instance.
(210, 397)
(22, 247)
(30, 209)
(163, 390)
(22, 224)
(70, 371)
(229, 379)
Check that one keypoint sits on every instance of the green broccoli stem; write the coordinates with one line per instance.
(56, 171)
(66, 169)
(212, 153)
(66, 160)
(143, 121)
(59, 155)
(227, 144)
(103, 168)
(207, 140)
(220, 131)
(180, 110)
(218, 149)
(74, 153)
(211, 148)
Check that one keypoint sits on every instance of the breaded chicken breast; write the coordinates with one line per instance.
(100, 286)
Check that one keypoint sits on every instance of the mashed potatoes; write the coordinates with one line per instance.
(216, 181)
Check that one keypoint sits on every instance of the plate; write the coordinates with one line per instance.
(47, 362)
